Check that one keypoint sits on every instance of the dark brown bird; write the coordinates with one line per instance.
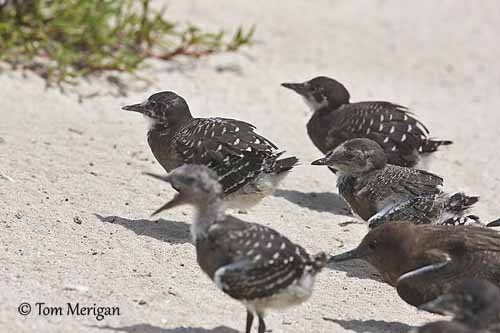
(335, 120)
(251, 263)
(425, 261)
(380, 192)
(473, 302)
(247, 164)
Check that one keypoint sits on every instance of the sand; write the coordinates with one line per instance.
(74, 207)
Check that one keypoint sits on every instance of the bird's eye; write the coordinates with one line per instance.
(372, 245)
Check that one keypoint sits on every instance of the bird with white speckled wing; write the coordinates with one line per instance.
(335, 120)
(251, 263)
(247, 164)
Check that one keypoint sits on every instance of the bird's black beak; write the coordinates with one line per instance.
(320, 161)
(443, 305)
(178, 199)
(349, 255)
(299, 88)
(141, 107)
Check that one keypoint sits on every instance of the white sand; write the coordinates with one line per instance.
(439, 58)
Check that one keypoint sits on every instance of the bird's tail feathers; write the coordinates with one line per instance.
(463, 220)
(460, 202)
(319, 261)
(283, 165)
(431, 145)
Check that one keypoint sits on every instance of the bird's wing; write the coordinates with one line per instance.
(413, 182)
(426, 282)
(229, 147)
(395, 184)
(464, 251)
(263, 261)
(417, 210)
(394, 128)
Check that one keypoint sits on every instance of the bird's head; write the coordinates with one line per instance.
(321, 92)
(356, 156)
(196, 185)
(470, 301)
(165, 107)
(384, 248)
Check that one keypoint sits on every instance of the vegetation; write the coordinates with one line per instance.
(64, 39)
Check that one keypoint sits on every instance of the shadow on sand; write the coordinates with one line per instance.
(164, 230)
(147, 328)
(318, 201)
(372, 326)
(358, 269)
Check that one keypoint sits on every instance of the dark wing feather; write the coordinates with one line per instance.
(413, 182)
(471, 252)
(230, 147)
(398, 181)
(432, 277)
(390, 125)
(418, 210)
(262, 260)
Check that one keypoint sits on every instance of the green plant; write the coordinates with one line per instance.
(64, 39)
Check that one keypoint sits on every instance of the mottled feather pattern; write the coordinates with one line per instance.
(271, 261)
(420, 210)
(392, 126)
(429, 209)
(398, 181)
(229, 147)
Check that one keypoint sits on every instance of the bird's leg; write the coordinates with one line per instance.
(262, 325)
(249, 322)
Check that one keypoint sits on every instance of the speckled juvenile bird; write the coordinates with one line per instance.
(425, 261)
(247, 163)
(251, 263)
(473, 302)
(335, 120)
(380, 192)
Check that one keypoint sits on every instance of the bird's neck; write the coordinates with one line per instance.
(155, 125)
(207, 213)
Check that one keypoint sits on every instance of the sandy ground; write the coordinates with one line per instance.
(75, 223)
